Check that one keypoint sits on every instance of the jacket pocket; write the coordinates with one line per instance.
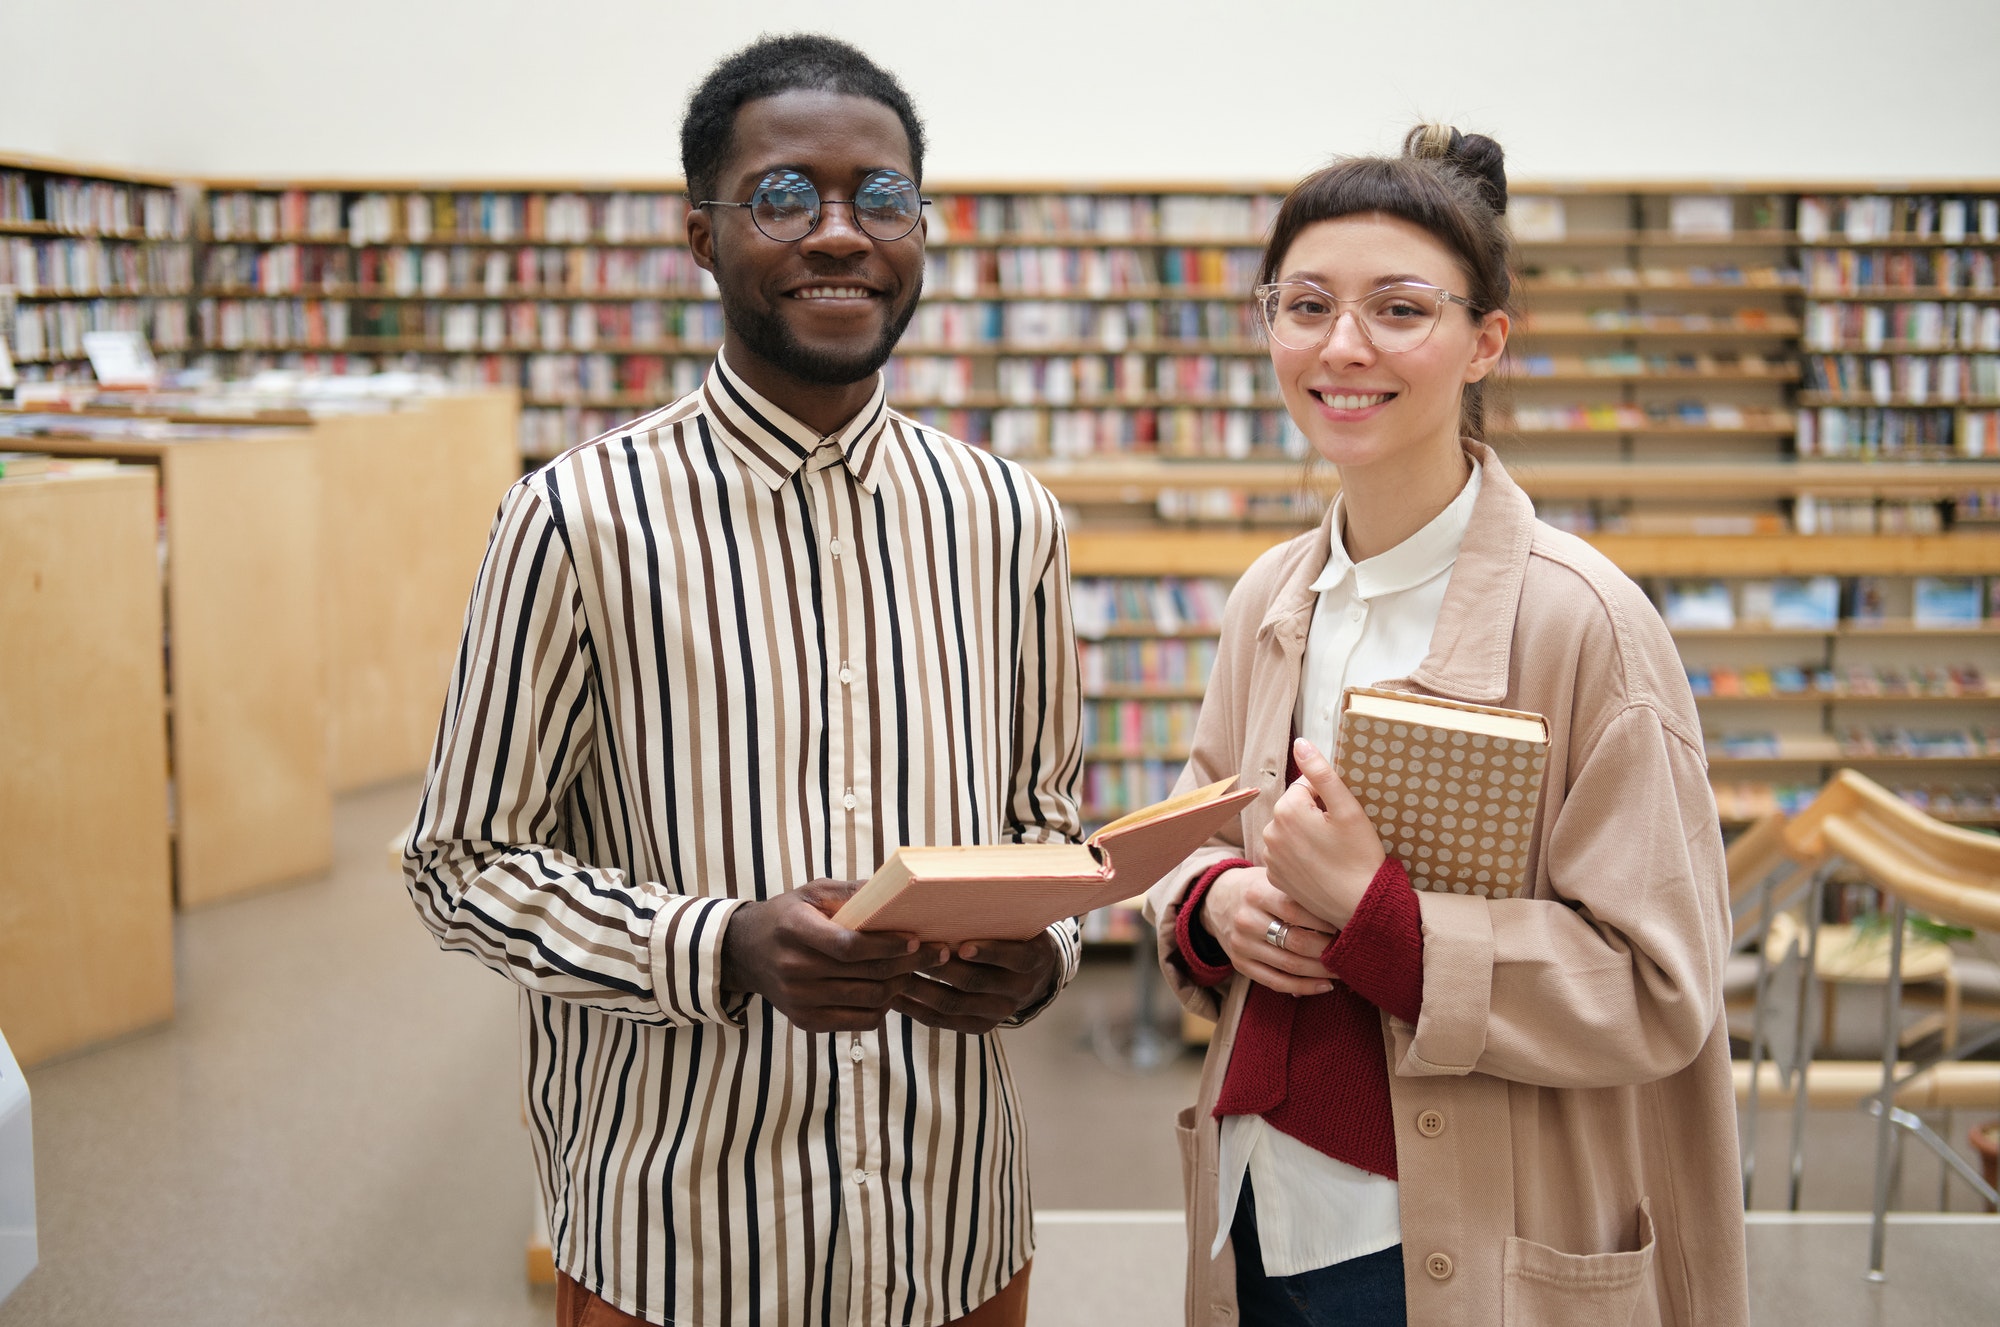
(1543, 1287)
(1186, 1133)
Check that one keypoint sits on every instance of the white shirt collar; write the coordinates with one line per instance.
(1427, 553)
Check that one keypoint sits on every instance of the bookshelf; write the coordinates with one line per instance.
(86, 250)
(1733, 380)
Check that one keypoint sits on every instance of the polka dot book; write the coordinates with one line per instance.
(1451, 787)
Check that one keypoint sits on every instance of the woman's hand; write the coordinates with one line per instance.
(1238, 911)
(1320, 849)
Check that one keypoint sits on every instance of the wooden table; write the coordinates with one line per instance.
(86, 902)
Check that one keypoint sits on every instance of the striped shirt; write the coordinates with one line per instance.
(712, 656)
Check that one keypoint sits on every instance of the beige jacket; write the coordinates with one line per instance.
(1565, 1115)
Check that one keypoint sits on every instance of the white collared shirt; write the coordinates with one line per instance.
(1373, 623)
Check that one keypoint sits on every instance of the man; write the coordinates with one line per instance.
(718, 665)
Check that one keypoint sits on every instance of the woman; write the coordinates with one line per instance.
(1438, 1107)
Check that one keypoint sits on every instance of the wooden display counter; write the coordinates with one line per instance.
(407, 499)
(317, 578)
(86, 903)
(245, 674)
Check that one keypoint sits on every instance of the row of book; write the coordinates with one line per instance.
(1108, 789)
(1632, 364)
(1917, 325)
(1590, 321)
(85, 267)
(1826, 603)
(972, 273)
(582, 379)
(1867, 218)
(1858, 742)
(523, 326)
(1183, 431)
(1816, 515)
(614, 217)
(1165, 662)
(1808, 515)
(1113, 326)
(1978, 434)
(547, 432)
(1290, 510)
(1138, 727)
(1066, 380)
(1744, 801)
(92, 207)
(55, 331)
(1169, 605)
(458, 272)
(1929, 271)
(1726, 275)
(1627, 417)
(1104, 216)
(1909, 433)
(1956, 682)
(1911, 379)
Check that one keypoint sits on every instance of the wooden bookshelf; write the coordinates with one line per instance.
(86, 249)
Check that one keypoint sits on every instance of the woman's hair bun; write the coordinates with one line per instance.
(1475, 156)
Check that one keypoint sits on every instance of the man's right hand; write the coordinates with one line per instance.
(823, 977)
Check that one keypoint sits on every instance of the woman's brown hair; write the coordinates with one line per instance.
(1450, 184)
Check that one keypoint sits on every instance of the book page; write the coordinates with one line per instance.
(1517, 728)
(1169, 807)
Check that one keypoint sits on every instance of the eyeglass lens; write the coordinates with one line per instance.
(786, 206)
(1301, 317)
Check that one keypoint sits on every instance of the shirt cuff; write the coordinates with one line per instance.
(1380, 952)
(1068, 939)
(685, 949)
(1203, 957)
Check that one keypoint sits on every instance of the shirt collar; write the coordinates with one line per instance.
(774, 443)
(1417, 559)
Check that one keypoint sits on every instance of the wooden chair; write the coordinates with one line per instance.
(1919, 864)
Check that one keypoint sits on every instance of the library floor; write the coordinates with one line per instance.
(327, 1134)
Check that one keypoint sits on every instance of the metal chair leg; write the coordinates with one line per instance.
(1892, 1017)
(1748, 1150)
(1802, 1046)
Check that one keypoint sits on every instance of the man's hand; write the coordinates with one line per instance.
(1238, 911)
(1320, 848)
(981, 985)
(825, 978)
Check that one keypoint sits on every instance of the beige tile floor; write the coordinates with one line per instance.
(327, 1134)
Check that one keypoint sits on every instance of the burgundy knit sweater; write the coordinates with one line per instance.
(1314, 1066)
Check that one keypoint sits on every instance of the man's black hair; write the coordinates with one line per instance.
(799, 62)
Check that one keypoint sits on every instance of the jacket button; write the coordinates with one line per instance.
(1439, 1266)
(1430, 1124)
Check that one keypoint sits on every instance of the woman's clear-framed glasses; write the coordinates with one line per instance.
(1299, 315)
(787, 207)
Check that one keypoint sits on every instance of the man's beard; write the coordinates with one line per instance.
(766, 335)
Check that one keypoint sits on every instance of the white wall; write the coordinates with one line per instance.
(1033, 89)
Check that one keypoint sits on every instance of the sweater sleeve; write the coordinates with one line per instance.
(1380, 952)
(1199, 952)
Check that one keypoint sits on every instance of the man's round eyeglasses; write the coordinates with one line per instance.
(1301, 316)
(787, 207)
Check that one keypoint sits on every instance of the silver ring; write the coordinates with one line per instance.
(1277, 933)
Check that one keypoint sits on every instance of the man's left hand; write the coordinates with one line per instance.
(981, 985)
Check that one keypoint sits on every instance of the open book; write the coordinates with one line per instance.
(1452, 788)
(1012, 891)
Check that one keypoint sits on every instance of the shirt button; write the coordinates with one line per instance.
(861, 1177)
(1356, 614)
(1439, 1266)
(848, 799)
(1430, 1124)
(846, 675)
(856, 1052)
(836, 548)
